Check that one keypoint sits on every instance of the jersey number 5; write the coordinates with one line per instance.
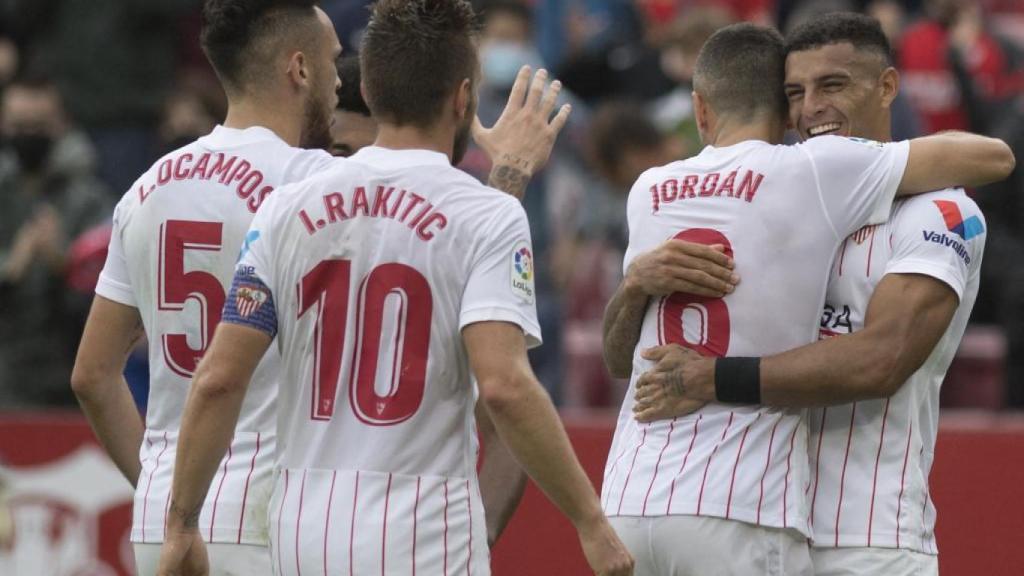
(696, 322)
(177, 287)
(326, 287)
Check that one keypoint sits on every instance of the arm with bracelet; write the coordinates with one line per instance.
(907, 315)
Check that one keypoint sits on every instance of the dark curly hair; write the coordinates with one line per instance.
(863, 32)
(239, 37)
(414, 54)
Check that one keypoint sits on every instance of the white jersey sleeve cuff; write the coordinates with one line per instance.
(503, 314)
(117, 291)
(947, 274)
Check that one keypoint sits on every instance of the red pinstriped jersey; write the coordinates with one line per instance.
(781, 212)
(368, 274)
(870, 460)
(177, 234)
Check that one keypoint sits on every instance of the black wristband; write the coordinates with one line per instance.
(738, 380)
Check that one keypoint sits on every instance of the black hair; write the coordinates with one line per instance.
(863, 32)
(415, 54)
(350, 98)
(741, 70)
(238, 35)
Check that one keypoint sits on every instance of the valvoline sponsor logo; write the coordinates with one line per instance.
(955, 223)
(949, 241)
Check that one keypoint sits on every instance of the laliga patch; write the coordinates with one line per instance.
(866, 142)
(522, 271)
(249, 299)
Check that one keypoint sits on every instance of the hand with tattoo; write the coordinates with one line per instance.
(520, 142)
(681, 383)
(183, 552)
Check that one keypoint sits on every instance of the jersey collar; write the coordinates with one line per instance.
(222, 136)
(390, 158)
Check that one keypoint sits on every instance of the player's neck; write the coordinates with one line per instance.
(730, 131)
(415, 138)
(242, 115)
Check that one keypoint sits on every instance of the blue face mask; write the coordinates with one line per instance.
(501, 62)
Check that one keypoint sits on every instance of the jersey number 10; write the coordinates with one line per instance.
(326, 287)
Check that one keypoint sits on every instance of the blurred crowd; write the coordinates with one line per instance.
(92, 93)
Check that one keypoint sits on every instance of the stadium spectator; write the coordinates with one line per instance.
(506, 44)
(114, 63)
(610, 50)
(954, 69)
(622, 143)
(185, 119)
(682, 43)
(51, 196)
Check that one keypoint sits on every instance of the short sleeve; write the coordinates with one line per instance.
(501, 281)
(114, 282)
(638, 206)
(250, 301)
(857, 179)
(941, 235)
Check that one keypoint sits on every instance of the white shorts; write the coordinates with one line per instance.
(225, 559)
(707, 546)
(872, 561)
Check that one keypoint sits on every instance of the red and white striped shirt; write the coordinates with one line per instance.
(176, 237)
(870, 460)
(781, 211)
(372, 271)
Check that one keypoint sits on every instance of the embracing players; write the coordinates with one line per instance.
(902, 291)
(722, 490)
(386, 281)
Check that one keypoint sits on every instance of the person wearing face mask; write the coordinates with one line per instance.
(50, 197)
(506, 45)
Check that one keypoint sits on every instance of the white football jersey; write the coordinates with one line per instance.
(177, 235)
(781, 212)
(870, 460)
(368, 274)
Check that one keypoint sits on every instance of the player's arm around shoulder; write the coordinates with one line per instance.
(937, 240)
(909, 311)
(954, 158)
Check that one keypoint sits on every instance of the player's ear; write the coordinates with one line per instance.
(463, 99)
(889, 84)
(702, 114)
(362, 90)
(298, 69)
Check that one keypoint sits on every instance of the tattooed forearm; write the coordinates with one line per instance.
(509, 179)
(189, 518)
(623, 319)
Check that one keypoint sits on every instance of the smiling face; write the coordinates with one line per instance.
(838, 89)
